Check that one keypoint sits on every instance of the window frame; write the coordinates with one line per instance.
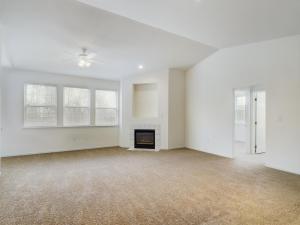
(25, 106)
(117, 107)
(60, 106)
(63, 107)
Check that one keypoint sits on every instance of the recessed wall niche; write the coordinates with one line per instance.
(145, 100)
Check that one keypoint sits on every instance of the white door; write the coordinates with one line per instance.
(260, 121)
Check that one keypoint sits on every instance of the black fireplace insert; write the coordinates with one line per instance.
(144, 139)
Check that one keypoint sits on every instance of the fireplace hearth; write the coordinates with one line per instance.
(144, 139)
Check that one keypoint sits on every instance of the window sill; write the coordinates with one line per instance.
(56, 127)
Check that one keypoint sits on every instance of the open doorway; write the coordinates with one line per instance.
(242, 129)
(249, 139)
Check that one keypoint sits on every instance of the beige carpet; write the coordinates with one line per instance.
(119, 187)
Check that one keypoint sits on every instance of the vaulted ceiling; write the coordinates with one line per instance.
(47, 35)
(219, 23)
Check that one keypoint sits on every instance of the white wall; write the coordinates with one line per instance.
(176, 109)
(274, 65)
(1, 84)
(171, 112)
(161, 79)
(20, 141)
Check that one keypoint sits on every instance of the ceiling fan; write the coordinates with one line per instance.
(85, 59)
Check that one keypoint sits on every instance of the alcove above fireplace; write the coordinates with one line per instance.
(145, 101)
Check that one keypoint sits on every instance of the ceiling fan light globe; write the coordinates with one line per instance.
(81, 63)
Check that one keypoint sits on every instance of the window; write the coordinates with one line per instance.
(76, 106)
(240, 109)
(40, 105)
(106, 108)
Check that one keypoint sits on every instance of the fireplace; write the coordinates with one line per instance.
(144, 139)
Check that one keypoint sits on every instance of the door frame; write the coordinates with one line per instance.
(249, 109)
(251, 131)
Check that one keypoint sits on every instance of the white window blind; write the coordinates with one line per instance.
(40, 105)
(106, 108)
(240, 109)
(76, 106)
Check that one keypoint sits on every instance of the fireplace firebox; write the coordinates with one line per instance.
(144, 139)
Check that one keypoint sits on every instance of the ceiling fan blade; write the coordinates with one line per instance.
(91, 55)
(69, 58)
(98, 62)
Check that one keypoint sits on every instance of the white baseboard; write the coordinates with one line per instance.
(57, 151)
(212, 153)
(282, 169)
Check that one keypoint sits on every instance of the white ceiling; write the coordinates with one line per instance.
(219, 23)
(44, 35)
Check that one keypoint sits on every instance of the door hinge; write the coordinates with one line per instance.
(255, 122)
(255, 99)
